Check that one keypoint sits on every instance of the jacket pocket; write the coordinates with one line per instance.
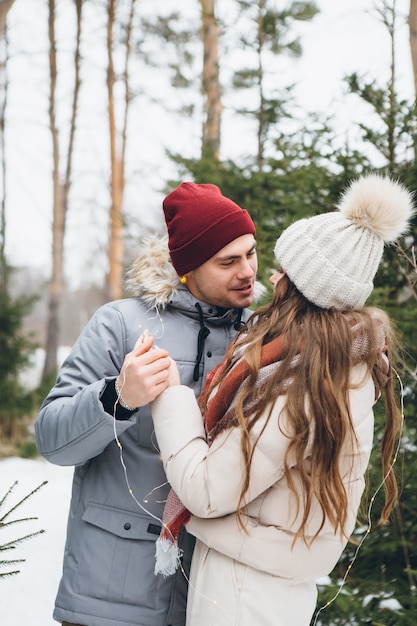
(115, 550)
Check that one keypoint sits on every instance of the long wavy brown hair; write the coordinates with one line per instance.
(320, 341)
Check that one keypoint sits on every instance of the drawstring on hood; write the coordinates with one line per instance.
(153, 279)
(238, 323)
(203, 333)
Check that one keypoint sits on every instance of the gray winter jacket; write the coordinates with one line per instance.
(114, 519)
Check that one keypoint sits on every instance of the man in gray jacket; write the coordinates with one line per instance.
(189, 293)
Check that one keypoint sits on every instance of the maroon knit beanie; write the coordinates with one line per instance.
(200, 222)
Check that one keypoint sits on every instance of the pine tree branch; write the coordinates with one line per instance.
(8, 513)
(11, 562)
(15, 542)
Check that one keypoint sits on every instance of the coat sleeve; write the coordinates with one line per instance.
(270, 548)
(209, 480)
(72, 426)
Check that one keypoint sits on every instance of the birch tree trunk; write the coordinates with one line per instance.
(211, 81)
(262, 125)
(61, 189)
(114, 282)
(412, 24)
(5, 6)
(389, 18)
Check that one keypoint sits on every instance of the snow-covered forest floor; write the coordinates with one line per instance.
(28, 597)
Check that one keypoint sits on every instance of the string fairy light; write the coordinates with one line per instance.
(371, 503)
(121, 457)
(122, 461)
(145, 500)
(165, 526)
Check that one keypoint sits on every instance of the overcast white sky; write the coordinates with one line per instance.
(347, 36)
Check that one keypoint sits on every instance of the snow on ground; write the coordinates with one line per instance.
(28, 597)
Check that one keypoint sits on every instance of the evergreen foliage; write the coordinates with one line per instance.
(303, 176)
(298, 170)
(303, 173)
(15, 351)
(269, 33)
(5, 523)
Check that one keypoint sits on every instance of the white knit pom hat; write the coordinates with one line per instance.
(332, 258)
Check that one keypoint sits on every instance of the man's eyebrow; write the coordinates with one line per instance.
(236, 256)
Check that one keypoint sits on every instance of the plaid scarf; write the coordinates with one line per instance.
(220, 415)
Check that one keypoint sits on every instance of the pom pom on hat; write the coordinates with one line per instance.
(200, 222)
(332, 258)
(379, 204)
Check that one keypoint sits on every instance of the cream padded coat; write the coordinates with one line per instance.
(209, 480)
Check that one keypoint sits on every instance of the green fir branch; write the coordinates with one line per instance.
(8, 574)
(29, 495)
(11, 562)
(17, 521)
(11, 545)
(15, 542)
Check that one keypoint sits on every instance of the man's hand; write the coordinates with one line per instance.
(145, 373)
(173, 374)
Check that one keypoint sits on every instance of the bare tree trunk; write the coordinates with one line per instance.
(74, 110)
(60, 190)
(5, 6)
(211, 80)
(261, 134)
(412, 24)
(390, 22)
(388, 16)
(50, 364)
(114, 280)
(3, 106)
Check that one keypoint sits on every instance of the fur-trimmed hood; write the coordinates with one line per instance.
(152, 276)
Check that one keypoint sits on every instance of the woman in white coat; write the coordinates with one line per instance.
(268, 471)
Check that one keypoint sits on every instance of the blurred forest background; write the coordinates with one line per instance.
(211, 70)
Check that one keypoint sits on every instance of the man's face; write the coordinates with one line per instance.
(227, 279)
